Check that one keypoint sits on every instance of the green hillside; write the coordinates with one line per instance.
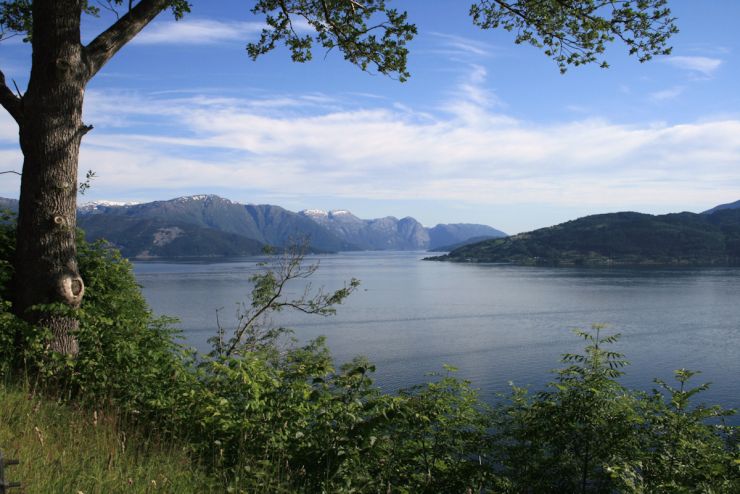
(625, 238)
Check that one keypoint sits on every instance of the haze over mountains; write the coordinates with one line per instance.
(208, 225)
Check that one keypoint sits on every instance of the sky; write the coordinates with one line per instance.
(484, 131)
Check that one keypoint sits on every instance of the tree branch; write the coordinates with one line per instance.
(12, 103)
(107, 44)
(269, 305)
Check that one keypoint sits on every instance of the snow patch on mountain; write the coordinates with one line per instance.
(93, 206)
(318, 213)
(204, 197)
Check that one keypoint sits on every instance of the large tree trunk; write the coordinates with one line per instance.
(51, 129)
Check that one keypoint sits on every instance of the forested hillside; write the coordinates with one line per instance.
(625, 238)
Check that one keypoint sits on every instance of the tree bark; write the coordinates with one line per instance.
(51, 129)
(49, 117)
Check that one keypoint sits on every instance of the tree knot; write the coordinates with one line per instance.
(72, 289)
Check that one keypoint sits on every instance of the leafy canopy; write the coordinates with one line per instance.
(373, 36)
(16, 16)
(576, 32)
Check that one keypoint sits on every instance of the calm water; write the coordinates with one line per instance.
(495, 323)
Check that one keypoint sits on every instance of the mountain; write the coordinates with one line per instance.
(236, 228)
(208, 225)
(390, 233)
(618, 239)
(281, 227)
(134, 228)
(386, 233)
(9, 204)
(443, 236)
(732, 205)
(150, 237)
(457, 245)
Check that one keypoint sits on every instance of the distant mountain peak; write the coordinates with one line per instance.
(95, 206)
(319, 213)
(203, 198)
(108, 203)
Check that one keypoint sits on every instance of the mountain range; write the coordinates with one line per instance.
(208, 225)
(626, 238)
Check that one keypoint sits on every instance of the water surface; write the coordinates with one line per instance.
(495, 323)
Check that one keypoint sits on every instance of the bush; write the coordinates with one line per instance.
(587, 433)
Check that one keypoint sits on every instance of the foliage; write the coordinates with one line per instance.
(127, 356)
(7, 243)
(562, 439)
(588, 433)
(439, 438)
(681, 453)
(576, 32)
(370, 35)
(268, 297)
(366, 32)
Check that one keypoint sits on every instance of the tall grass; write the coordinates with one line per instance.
(66, 450)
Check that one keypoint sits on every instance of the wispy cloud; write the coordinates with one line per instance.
(197, 32)
(460, 45)
(707, 48)
(704, 66)
(667, 94)
(471, 100)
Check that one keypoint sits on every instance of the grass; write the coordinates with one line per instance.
(67, 450)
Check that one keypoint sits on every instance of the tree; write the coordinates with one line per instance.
(368, 33)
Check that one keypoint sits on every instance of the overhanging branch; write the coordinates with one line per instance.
(107, 44)
(12, 103)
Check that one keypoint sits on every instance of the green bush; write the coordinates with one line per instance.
(587, 433)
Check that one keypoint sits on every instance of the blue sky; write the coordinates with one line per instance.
(485, 131)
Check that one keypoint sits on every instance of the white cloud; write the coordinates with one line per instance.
(384, 153)
(704, 66)
(312, 145)
(667, 94)
(197, 32)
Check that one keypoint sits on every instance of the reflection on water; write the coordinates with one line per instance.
(495, 323)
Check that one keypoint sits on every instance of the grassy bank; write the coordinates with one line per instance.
(67, 450)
